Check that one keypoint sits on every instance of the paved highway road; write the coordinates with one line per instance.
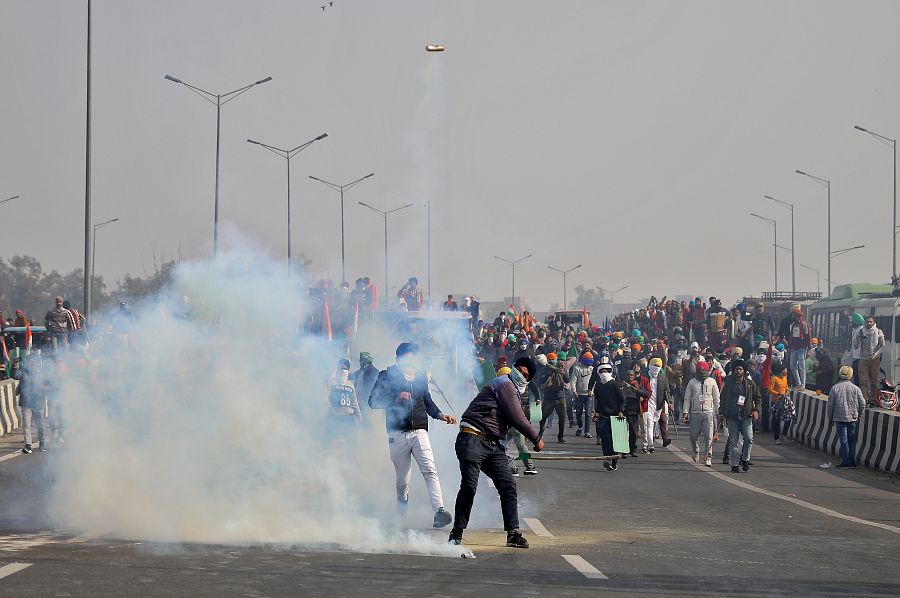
(660, 525)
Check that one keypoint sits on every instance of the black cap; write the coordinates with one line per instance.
(404, 348)
(529, 365)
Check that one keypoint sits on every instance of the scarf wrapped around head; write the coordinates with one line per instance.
(365, 358)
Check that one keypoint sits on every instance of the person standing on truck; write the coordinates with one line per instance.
(799, 338)
(870, 341)
(59, 323)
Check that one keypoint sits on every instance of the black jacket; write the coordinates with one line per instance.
(633, 398)
(403, 415)
(609, 399)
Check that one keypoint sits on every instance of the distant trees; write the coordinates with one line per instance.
(24, 285)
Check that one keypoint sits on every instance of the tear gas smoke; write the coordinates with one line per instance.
(200, 417)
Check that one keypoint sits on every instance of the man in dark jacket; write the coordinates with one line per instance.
(364, 378)
(740, 404)
(403, 393)
(484, 425)
(609, 401)
(553, 396)
(634, 397)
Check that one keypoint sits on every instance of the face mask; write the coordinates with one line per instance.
(605, 377)
(518, 379)
(654, 370)
(760, 359)
(702, 376)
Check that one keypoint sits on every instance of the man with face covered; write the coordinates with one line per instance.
(553, 399)
(701, 406)
(609, 401)
(655, 407)
(402, 391)
(634, 397)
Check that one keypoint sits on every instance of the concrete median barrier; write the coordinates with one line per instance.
(10, 418)
(877, 437)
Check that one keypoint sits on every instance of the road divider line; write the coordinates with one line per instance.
(11, 568)
(584, 567)
(537, 527)
(800, 503)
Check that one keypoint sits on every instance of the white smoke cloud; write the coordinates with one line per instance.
(202, 419)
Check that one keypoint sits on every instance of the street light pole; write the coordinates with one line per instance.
(827, 184)
(816, 270)
(893, 144)
(88, 308)
(384, 215)
(513, 263)
(564, 273)
(774, 224)
(287, 154)
(428, 242)
(218, 100)
(341, 189)
(793, 247)
(94, 253)
(612, 296)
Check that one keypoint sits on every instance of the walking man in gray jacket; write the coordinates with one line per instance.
(845, 405)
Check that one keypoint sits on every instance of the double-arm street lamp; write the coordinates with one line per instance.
(218, 100)
(341, 189)
(774, 224)
(564, 273)
(513, 263)
(893, 144)
(287, 154)
(94, 251)
(793, 252)
(385, 214)
(827, 185)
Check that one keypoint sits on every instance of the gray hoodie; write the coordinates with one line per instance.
(581, 376)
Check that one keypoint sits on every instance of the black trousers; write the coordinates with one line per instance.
(633, 427)
(476, 455)
(548, 407)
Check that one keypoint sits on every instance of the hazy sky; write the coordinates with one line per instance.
(633, 137)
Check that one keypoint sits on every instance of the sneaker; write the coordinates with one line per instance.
(667, 442)
(695, 458)
(778, 441)
(514, 539)
(598, 441)
(745, 465)
(562, 440)
(578, 432)
(442, 518)
(587, 435)
(531, 470)
(725, 460)
(708, 462)
(514, 471)
(27, 449)
(571, 425)
(735, 469)
(750, 463)
(650, 449)
(607, 466)
(623, 456)
(42, 448)
(632, 454)
(644, 451)
(455, 537)
(615, 466)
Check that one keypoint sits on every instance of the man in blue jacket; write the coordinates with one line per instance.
(484, 425)
(402, 391)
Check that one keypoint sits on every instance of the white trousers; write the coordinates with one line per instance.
(702, 427)
(648, 424)
(30, 415)
(405, 446)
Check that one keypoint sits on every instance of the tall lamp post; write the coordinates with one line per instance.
(827, 184)
(564, 273)
(793, 252)
(88, 308)
(94, 252)
(774, 224)
(218, 100)
(385, 215)
(287, 154)
(818, 276)
(343, 188)
(513, 263)
(893, 144)
(612, 296)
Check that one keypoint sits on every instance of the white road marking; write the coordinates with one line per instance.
(584, 567)
(537, 527)
(11, 568)
(12, 455)
(800, 503)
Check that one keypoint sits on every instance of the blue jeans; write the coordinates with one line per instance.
(847, 435)
(797, 367)
(740, 427)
